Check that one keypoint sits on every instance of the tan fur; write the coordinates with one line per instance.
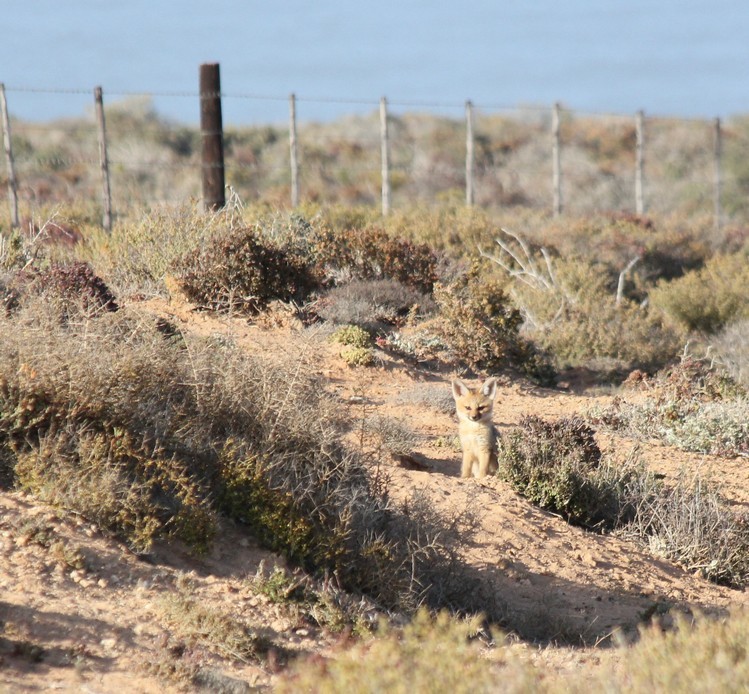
(478, 437)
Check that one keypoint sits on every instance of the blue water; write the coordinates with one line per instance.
(669, 57)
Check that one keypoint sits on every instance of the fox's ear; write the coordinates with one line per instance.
(490, 387)
(459, 388)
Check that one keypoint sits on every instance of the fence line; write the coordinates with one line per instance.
(212, 141)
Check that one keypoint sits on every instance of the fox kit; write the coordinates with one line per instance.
(478, 438)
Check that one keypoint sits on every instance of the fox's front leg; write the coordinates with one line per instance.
(485, 463)
(465, 470)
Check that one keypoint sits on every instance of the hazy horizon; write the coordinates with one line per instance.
(684, 59)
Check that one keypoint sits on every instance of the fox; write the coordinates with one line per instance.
(478, 437)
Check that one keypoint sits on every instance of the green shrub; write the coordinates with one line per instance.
(559, 467)
(352, 336)
(579, 311)
(708, 299)
(238, 271)
(83, 412)
(481, 326)
(16, 250)
(358, 356)
(371, 253)
(576, 318)
(358, 345)
(664, 249)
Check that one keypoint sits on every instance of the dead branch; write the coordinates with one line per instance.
(622, 277)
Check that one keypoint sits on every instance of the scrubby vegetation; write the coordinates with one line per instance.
(699, 655)
(579, 311)
(692, 405)
(732, 351)
(153, 436)
(559, 466)
(482, 328)
(708, 299)
(429, 654)
(153, 431)
(240, 272)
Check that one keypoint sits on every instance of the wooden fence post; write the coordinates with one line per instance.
(212, 131)
(103, 160)
(717, 153)
(469, 154)
(293, 152)
(385, 150)
(12, 183)
(556, 149)
(639, 161)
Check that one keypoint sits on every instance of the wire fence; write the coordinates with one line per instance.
(390, 154)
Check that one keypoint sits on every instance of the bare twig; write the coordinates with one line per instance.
(622, 277)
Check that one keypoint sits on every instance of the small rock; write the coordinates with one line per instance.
(86, 583)
(102, 583)
(108, 644)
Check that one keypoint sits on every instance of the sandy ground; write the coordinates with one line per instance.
(102, 628)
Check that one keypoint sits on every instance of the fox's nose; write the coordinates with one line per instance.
(475, 416)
